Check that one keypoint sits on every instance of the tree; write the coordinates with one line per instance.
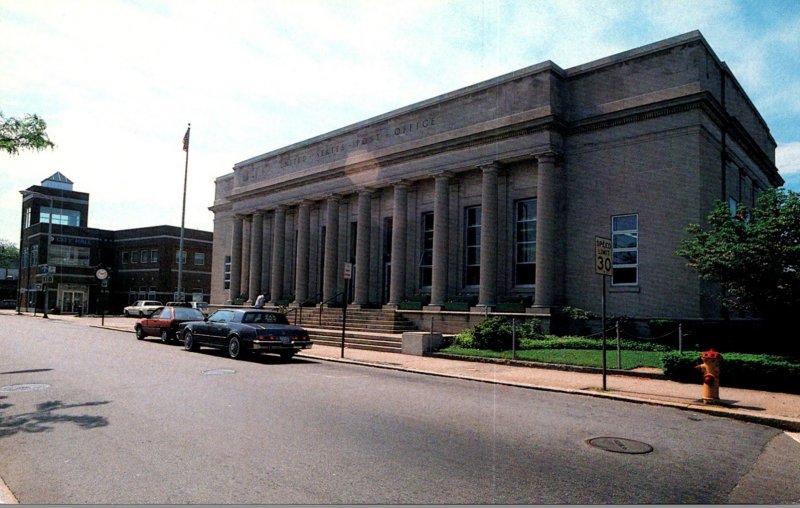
(753, 255)
(9, 254)
(26, 133)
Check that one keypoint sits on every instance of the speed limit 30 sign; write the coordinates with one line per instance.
(602, 256)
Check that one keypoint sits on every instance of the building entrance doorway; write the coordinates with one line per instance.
(72, 302)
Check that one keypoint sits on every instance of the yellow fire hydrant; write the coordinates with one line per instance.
(710, 369)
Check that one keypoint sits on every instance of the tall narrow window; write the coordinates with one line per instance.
(625, 249)
(472, 246)
(525, 249)
(227, 272)
(426, 252)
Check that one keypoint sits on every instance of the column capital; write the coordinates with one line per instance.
(489, 166)
(401, 183)
(443, 175)
(552, 156)
(365, 190)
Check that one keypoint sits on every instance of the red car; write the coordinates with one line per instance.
(163, 322)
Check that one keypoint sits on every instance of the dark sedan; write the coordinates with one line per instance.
(163, 322)
(240, 331)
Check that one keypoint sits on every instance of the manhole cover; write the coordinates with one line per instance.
(219, 372)
(620, 445)
(24, 388)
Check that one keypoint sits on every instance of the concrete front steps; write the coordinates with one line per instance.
(373, 329)
(373, 341)
(363, 320)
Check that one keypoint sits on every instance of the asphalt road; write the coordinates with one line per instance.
(90, 416)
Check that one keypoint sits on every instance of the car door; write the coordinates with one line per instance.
(215, 330)
(151, 324)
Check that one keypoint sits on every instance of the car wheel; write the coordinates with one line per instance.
(235, 348)
(165, 336)
(287, 355)
(139, 333)
(188, 341)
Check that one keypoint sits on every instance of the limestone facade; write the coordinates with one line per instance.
(496, 192)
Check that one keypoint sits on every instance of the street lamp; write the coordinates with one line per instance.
(49, 239)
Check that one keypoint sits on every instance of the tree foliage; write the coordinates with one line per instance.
(753, 255)
(9, 254)
(25, 133)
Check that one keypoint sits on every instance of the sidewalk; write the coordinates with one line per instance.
(779, 410)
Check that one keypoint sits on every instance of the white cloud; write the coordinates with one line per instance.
(787, 158)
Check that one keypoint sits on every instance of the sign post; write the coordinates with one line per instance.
(602, 267)
(102, 275)
(348, 275)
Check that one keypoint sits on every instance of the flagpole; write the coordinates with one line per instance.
(183, 213)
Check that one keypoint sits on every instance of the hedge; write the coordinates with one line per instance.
(765, 372)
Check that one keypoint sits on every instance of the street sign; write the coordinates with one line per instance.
(348, 271)
(602, 256)
(37, 287)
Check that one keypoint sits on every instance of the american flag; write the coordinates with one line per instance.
(186, 139)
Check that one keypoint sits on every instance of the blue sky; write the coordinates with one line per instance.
(118, 81)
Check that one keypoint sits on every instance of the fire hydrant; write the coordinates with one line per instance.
(710, 369)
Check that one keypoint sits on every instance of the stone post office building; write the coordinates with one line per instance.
(496, 192)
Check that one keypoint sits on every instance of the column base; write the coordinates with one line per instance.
(390, 306)
(434, 307)
(542, 310)
(482, 308)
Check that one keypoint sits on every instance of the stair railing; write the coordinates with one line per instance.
(322, 305)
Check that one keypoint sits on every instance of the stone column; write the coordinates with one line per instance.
(256, 239)
(266, 254)
(548, 230)
(329, 284)
(278, 248)
(399, 224)
(236, 258)
(246, 241)
(301, 263)
(364, 225)
(487, 296)
(441, 228)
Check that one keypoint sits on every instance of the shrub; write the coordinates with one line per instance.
(577, 320)
(767, 372)
(493, 334)
(464, 340)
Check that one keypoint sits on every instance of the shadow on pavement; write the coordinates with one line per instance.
(45, 416)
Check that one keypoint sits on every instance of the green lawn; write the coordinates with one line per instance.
(582, 357)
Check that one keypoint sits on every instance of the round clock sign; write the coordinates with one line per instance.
(101, 274)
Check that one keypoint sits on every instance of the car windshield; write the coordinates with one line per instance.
(265, 317)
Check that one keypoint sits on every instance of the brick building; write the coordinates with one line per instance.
(142, 261)
(495, 193)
